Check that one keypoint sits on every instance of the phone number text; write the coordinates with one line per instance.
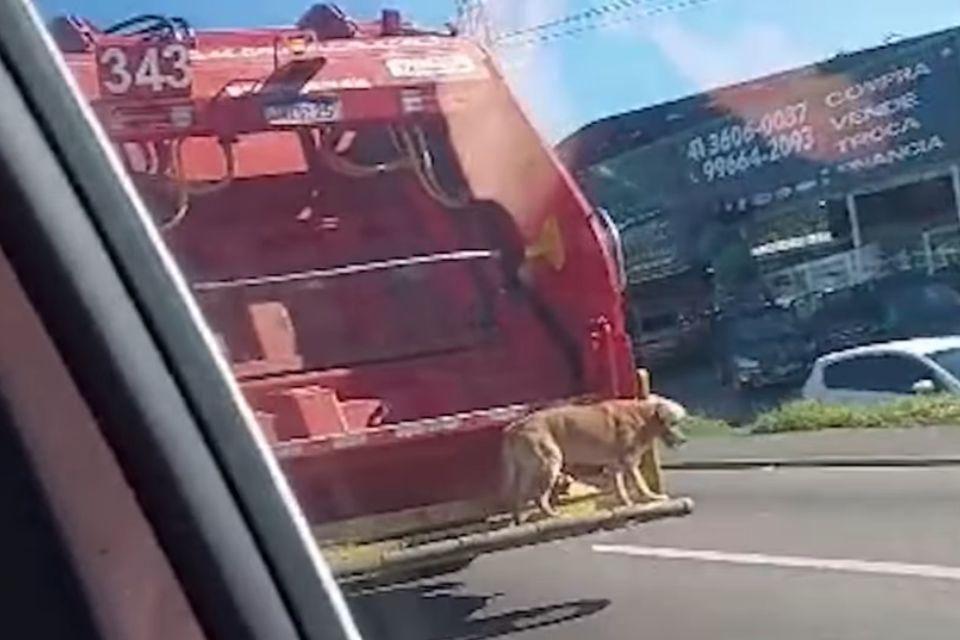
(772, 150)
(736, 136)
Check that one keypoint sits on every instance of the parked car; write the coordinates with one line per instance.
(886, 371)
(761, 346)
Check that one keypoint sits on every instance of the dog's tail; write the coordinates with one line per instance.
(508, 465)
(510, 473)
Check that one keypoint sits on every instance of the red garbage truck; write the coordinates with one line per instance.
(393, 261)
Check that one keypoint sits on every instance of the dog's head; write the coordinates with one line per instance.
(667, 414)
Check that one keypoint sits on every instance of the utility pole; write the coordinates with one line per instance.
(473, 22)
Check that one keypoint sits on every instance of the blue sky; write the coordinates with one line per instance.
(639, 58)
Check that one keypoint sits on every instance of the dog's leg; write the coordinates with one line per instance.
(642, 488)
(521, 474)
(518, 498)
(621, 486)
(517, 507)
(551, 472)
(527, 487)
(509, 481)
(562, 487)
(543, 501)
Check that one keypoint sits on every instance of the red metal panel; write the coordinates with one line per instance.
(323, 358)
(305, 412)
(274, 332)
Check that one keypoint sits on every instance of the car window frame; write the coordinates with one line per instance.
(142, 355)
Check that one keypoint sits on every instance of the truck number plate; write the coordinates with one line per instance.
(145, 70)
(306, 111)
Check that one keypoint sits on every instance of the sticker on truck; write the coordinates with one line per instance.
(303, 111)
(456, 64)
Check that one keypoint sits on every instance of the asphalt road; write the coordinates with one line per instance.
(801, 554)
(912, 443)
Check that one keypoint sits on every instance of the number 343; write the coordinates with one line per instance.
(158, 68)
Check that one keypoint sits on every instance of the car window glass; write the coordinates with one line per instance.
(949, 359)
(886, 373)
(412, 225)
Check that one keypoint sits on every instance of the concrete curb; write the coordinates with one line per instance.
(813, 462)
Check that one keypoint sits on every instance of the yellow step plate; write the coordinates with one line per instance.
(584, 511)
(385, 526)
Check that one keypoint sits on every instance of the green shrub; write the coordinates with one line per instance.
(697, 426)
(805, 415)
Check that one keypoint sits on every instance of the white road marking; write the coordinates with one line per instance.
(939, 572)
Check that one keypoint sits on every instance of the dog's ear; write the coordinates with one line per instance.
(669, 411)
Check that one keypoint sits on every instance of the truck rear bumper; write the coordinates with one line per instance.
(444, 537)
(383, 560)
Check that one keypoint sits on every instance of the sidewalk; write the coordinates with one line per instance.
(841, 447)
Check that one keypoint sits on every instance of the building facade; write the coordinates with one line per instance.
(787, 186)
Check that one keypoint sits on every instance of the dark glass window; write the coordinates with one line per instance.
(887, 373)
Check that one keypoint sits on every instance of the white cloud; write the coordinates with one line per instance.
(755, 49)
(534, 71)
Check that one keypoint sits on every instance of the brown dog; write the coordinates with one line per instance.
(613, 434)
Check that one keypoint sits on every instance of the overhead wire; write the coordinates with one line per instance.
(591, 20)
(590, 13)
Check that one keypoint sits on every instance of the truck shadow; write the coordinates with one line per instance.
(437, 611)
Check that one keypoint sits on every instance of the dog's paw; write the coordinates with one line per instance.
(561, 487)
